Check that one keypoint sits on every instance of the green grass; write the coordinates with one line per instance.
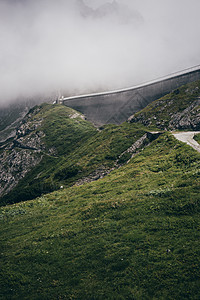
(101, 149)
(79, 149)
(197, 138)
(132, 235)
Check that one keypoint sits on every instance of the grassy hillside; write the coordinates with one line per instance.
(177, 110)
(53, 133)
(71, 149)
(132, 235)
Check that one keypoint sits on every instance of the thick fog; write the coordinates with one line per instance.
(82, 46)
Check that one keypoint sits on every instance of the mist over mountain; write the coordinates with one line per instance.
(86, 46)
(100, 213)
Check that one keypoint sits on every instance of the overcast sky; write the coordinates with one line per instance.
(79, 46)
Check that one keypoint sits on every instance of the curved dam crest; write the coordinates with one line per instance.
(117, 106)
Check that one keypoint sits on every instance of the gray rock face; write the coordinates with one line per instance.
(173, 112)
(28, 137)
(14, 165)
(188, 118)
(21, 154)
(101, 172)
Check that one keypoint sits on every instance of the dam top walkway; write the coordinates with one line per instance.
(171, 75)
(115, 107)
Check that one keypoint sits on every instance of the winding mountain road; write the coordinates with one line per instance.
(188, 138)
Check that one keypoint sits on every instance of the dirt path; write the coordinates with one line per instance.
(188, 137)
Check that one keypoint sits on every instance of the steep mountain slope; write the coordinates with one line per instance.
(177, 110)
(132, 235)
(53, 146)
(46, 133)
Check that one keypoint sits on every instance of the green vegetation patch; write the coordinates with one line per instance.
(132, 235)
(73, 149)
(62, 130)
(197, 138)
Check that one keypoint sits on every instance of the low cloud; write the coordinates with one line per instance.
(85, 46)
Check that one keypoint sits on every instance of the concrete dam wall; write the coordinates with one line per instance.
(117, 106)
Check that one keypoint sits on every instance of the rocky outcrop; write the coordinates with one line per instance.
(131, 151)
(22, 153)
(189, 118)
(179, 110)
(123, 158)
(28, 136)
(14, 165)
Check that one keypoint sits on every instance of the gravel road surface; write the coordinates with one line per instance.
(188, 137)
